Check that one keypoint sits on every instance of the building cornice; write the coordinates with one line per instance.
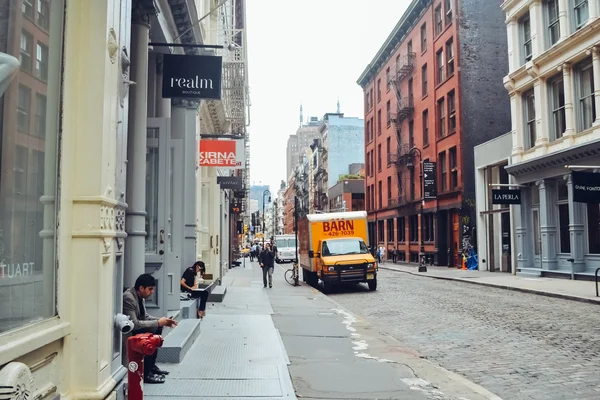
(408, 21)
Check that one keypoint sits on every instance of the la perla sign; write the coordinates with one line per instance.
(197, 77)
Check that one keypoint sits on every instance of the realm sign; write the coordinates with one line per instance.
(506, 196)
(192, 77)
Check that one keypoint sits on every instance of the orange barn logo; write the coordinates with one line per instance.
(338, 226)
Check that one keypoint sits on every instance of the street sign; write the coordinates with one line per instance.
(586, 187)
(429, 180)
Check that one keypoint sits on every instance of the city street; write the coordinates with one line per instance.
(517, 345)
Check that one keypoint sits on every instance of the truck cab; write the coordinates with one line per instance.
(335, 250)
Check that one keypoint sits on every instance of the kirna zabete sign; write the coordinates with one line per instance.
(506, 196)
(586, 187)
(193, 77)
(226, 153)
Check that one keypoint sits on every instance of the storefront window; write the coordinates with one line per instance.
(563, 218)
(29, 114)
(593, 227)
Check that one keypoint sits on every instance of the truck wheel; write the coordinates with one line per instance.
(372, 284)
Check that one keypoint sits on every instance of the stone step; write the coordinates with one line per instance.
(179, 341)
(217, 294)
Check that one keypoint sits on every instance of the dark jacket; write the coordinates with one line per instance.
(267, 257)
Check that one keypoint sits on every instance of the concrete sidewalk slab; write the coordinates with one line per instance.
(583, 291)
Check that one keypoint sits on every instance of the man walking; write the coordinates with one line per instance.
(267, 263)
(134, 307)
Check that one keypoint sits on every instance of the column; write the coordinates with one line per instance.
(537, 35)
(516, 115)
(596, 67)
(136, 144)
(163, 106)
(576, 228)
(547, 225)
(512, 30)
(190, 150)
(593, 9)
(523, 232)
(569, 108)
(541, 112)
(563, 17)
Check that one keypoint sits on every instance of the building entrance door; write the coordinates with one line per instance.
(160, 247)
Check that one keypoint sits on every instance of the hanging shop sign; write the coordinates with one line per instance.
(230, 182)
(195, 77)
(224, 153)
(429, 180)
(586, 187)
(506, 196)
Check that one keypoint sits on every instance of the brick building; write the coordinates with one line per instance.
(288, 206)
(433, 92)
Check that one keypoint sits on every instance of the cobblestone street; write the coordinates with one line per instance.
(517, 345)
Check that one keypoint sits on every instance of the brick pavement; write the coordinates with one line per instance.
(518, 345)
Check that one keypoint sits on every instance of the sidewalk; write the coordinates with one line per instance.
(239, 353)
(584, 291)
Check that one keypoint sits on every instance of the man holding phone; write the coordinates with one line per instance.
(134, 307)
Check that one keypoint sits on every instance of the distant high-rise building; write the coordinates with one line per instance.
(298, 142)
(257, 192)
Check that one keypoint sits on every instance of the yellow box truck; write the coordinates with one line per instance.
(334, 248)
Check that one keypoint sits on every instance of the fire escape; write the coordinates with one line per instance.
(231, 34)
(402, 159)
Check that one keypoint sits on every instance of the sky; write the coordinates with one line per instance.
(308, 52)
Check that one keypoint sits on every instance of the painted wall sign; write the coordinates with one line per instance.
(230, 182)
(196, 77)
(506, 196)
(429, 180)
(225, 153)
(586, 187)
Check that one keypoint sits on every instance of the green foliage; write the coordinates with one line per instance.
(349, 176)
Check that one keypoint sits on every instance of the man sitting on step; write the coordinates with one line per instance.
(134, 307)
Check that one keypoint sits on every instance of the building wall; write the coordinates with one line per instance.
(552, 228)
(344, 142)
(291, 158)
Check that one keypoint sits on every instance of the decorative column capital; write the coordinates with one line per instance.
(595, 51)
(568, 178)
(541, 184)
(178, 102)
(565, 68)
(142, 11)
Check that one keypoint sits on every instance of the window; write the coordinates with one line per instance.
(378, 122)
(438, 20)
(453, 168)
(448, 8)
(563, 217)
(450, 57)
(372, 163)
(425, 128)
(411, 134)
(371, 98)
(412, 184)
(428, 234)
(525, 25)
(380, 198)
(388, 78)
(367, 107)
(409, 48)
(411, 92)
(553, 21)
(557, 100)
(27, 8)
(43, 14)
(593, 228)
(379, 157)
(378, 90)
(367, 132)
(529, 105)
(388, 110)
(389, 191)
(40, 115)
(368, 198)
(29, 171)
(441, 110)
(401, 224)
(388, 145)
(451, 112)
(380, 231)
(413, 226)
(443, 172)
(23, 108)
(587, 104)
(581, 12)
(424, 80)
(41, 62)
(423, 37)
(390, 229)
(26, 51)
(439, 56)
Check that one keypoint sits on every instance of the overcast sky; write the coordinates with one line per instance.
(310, 52)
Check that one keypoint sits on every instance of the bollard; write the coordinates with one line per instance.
(138, 346)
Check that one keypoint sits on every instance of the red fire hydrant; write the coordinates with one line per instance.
(138, 346)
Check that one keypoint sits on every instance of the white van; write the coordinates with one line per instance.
(286, 248)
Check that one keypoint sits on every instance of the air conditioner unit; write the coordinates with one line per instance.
(16, 382)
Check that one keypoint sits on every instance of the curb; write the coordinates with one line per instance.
(500, 286)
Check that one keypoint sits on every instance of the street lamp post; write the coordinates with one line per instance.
(422, 264)
(265, 193)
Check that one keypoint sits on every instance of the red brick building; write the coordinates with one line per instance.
(288, 207)
(425, 102)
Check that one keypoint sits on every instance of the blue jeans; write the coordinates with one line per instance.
(268, 271)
